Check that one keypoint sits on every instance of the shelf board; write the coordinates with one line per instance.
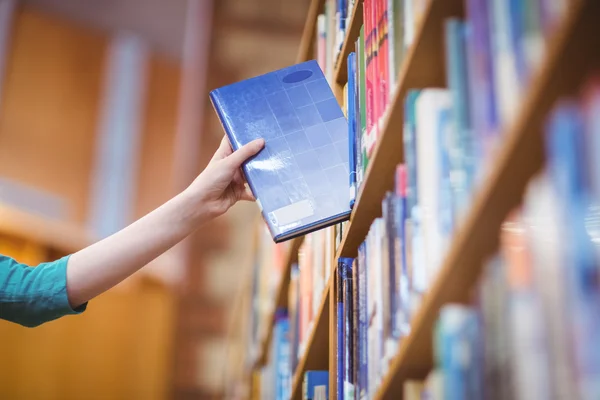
(307, 43)
(352, 33)
(423, 66)
(57, 235)
(565, 67)
(316, 354)
(280, 296)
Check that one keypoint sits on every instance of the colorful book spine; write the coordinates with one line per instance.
(362, 95)
(483, 107)
(458, 352)
(339, 327)
(401, 292)
(281, 355)
(462, 143)
(322, 41)
(370, 74)
(352, 125)
(348, 372)
(383, 42)
(363, 323)
(355, 328)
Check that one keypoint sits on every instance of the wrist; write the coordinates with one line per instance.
(192, 210)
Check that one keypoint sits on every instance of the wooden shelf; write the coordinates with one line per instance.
(316, 354)
(56, 235)
(423, 66)
(352, 33)
(281, 297)
(521, 155)
(307, 43)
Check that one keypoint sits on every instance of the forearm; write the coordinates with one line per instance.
(102, 265)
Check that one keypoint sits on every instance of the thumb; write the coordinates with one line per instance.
(237, 158)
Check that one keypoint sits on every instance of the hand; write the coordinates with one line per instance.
(222, 183)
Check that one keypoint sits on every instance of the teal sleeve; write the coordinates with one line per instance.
(31, 296)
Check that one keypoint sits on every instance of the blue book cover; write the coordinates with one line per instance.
(300, 178)
(352, 124)
(313, 379)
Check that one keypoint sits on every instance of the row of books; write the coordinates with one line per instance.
(374, 299)
(267, 273)
(308, 281)
(331, 31)
(534, 326)
(490, 58)
(443, 153)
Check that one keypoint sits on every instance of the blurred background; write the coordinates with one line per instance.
(104, 115)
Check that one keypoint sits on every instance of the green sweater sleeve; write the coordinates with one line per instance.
(31, 296)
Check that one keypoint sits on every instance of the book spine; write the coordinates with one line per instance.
(391, 34)
(389, 279)
(375, 17)
(355, 335)
(347, 285)
(352, 125)
(370, 83)
(322, 42)
(402, 285)
(363, 99)
(384, 46)
(567, 139)
(363, 318)
(339, 298)
(462, 164)
(484, 113)
(506, 80)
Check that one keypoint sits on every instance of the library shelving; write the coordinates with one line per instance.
(562, 69)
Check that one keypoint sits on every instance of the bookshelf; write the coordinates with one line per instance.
(280, 299)
(561, 72)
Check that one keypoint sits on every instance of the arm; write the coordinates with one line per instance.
(102, 265)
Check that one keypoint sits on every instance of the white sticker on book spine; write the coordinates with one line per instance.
(291, 213)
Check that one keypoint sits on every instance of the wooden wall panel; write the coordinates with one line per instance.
(50, 106)
(120, 348)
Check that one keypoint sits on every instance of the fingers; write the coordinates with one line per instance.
(224, 149)
(238, 157)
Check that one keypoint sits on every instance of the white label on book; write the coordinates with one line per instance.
(292, 213)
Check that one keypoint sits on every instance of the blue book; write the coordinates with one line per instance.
(352, 123)
(313, 379)
(300, 178)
